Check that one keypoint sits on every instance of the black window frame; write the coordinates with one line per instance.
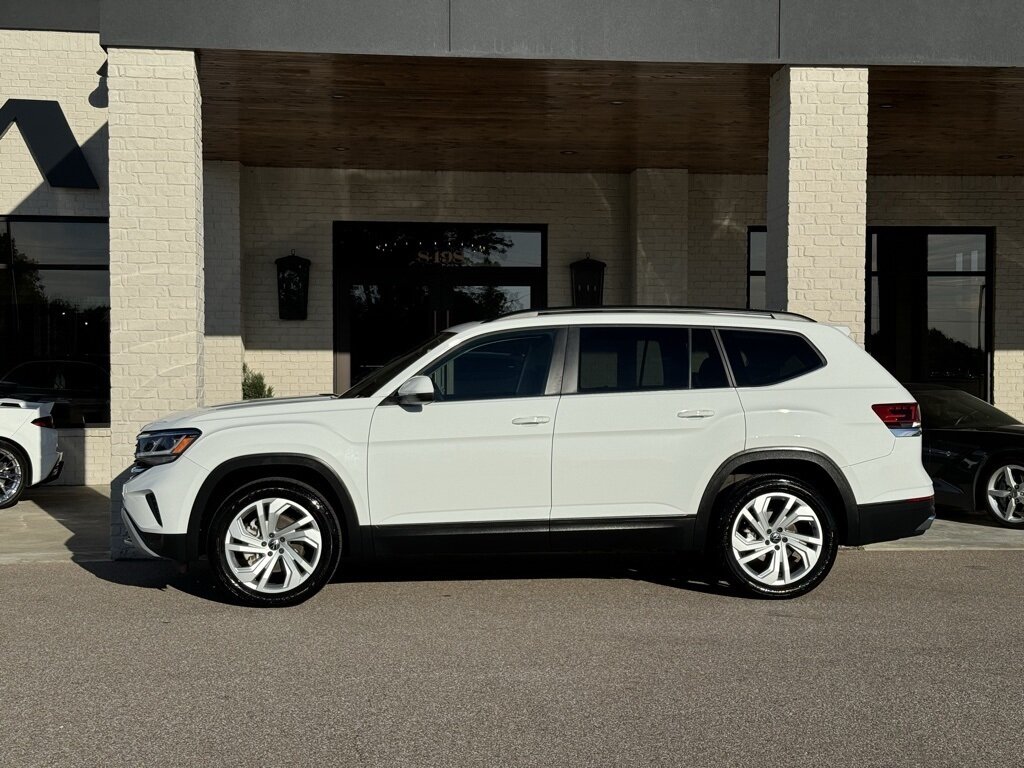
(989, 273)
(755, 272)
(7, 219)
(571, 373)
(552, 384)
(777, 332)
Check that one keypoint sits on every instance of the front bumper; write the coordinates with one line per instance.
(168, 545)
(892, 520)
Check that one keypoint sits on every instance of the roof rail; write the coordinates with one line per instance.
(774, 314)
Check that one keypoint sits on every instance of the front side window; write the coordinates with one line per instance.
(55, 316)
(499, 366)
(760, 358)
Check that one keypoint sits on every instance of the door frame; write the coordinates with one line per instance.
(990, 282)
(347, 274)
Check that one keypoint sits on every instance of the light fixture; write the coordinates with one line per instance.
(617, 102)
(341, 149)
(339, 95)
(885, 106)
(568, 151)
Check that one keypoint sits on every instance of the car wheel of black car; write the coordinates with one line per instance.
(13, 475)
(1004, 493)
(776, 537)
(274, 542)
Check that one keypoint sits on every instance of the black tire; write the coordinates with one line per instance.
(308, 499)
(10, 453)
(738, 496)
(986, 477)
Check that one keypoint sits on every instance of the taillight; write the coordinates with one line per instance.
(904, 419)
(44, 421)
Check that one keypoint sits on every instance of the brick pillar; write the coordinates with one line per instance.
(222, 256)
(658, 234)
(156, 247)
(817, 193)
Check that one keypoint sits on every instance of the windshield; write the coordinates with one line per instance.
(379, 378)
(949, 408)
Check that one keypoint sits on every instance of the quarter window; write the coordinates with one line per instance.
(759, 358)
(509, 365)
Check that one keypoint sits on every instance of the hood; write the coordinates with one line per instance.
(271, 406)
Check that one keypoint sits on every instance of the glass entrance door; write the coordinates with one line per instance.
(929, 305)
(398, 285)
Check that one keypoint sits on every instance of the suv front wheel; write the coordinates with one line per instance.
(274, 542)
(776, 537)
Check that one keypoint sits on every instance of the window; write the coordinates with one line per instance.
(634, 358)
(705, 361)
(506, 365)
(55, 316)
(757, 259)
(759, 358)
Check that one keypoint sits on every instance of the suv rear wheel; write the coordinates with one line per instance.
(275, 542)
(776, 537)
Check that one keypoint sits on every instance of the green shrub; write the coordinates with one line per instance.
(253, 385)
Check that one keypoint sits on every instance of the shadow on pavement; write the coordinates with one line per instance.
(197, 579)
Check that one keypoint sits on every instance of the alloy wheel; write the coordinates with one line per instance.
(777, 538)
(10, 475)
(273, 545)
(1005, 493)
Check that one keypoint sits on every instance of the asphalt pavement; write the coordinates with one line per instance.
(898, 659)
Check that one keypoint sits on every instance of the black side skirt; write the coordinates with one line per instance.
(620, 534)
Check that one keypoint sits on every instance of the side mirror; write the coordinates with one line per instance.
(416, 391)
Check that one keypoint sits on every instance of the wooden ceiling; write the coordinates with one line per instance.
(333, 111)
(946, 120)
(481, 114)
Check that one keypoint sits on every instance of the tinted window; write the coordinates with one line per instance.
(634, 358)
(705, 361)
(953, 408)
(759, 358)
(55, 317)
(509, 365)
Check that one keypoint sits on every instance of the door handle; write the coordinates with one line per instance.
(699, 413)
(531, 420)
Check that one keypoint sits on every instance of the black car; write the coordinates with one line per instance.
(974, 453)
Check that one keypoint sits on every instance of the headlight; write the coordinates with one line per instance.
(163, 446)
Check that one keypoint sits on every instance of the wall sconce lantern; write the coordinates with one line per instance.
(587, 282)
(292, 287)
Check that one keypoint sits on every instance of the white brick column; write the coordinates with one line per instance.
(659, 234)
(222, 256)
(817, 193)
(156, 247)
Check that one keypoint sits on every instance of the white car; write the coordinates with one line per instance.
(762, 438)
(28, 448)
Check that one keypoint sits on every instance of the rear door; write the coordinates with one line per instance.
(647, 416)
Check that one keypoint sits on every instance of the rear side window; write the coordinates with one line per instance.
(634, 358)
(759, 358)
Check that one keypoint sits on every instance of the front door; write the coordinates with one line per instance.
(929, 305)
(481, 452)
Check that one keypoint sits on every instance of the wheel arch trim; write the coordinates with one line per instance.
(199, 512)
(802, 455)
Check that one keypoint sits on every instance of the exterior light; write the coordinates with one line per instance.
(587, 277)
(292, 287)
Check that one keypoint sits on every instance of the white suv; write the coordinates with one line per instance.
(763, 439)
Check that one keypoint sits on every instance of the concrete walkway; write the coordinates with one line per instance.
(61, 523)
(56, 524)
